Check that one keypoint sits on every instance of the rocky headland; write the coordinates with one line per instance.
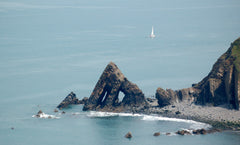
(211, 100)
(214, 100)
(220, 87)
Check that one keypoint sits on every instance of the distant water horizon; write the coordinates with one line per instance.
(51, 48)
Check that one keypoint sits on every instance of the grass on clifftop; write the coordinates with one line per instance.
(236, 54)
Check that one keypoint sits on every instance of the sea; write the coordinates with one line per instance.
(50, 48)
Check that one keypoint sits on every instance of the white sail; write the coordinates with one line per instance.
(152, 34)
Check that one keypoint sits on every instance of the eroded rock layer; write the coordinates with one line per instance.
(105, 94)
(169, 96)
(221, 86)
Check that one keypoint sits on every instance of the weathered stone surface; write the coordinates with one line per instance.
(168, 96)
(221, 86)
(83, 101)
(69, 100)
(105, 94)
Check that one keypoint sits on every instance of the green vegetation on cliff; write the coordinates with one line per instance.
(236, 54)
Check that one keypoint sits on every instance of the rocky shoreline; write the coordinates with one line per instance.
(218, 117)
(214, 100)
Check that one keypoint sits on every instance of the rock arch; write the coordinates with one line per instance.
(106, 92)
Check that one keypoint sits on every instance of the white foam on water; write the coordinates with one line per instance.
(43, 115)
(109, 114)
(171, 133)
(200, 125)
(100, 114)
(76, 113)
(130, 114)
(193, 124)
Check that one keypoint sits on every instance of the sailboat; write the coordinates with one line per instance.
(152, 34)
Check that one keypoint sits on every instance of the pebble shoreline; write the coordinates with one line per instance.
(218, 117)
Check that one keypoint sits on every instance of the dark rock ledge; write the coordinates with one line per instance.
(71, 99)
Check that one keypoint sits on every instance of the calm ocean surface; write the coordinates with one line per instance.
(50, 48)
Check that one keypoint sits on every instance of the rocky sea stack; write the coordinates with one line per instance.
(71, 99)
(220, 87)
(105, 94)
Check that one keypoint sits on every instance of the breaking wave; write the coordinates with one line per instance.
(109, 114)
(194, 124)
(43, 115)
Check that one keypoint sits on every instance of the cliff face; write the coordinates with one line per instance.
(105, 94)
(220, 86)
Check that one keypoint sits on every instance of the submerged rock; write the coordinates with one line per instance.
(128, 135)
(200, 131)
(168, 133)
(39, 113)
(55, 110)
(183, 132)
(105, 94)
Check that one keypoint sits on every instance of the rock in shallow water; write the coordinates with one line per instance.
(200, 131)
(71, 99)
(55, 110)
(156, 134)
(128, 135)
(183, 132)
(105, 94)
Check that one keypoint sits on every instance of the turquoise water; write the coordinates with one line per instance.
(50, 48)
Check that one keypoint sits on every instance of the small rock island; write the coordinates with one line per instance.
(105, 94)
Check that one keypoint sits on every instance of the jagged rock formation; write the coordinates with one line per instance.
(168, 96)
(105, 94)
(221, 86)
(71, 99)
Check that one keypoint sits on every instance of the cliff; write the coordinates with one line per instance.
(105, 94)
(221, 86)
